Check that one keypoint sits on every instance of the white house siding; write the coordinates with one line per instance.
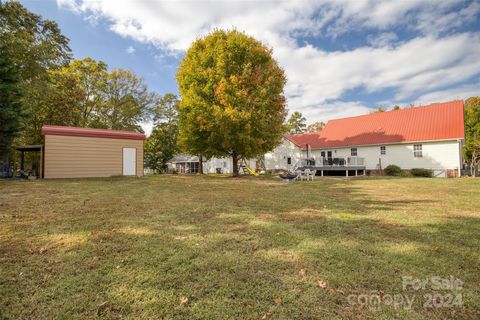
(277, 159)
(225, 164)
(211, 165)
(440, 155)
(437, 155)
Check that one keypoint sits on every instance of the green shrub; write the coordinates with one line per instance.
(405, 174)
(393, 170)
(420, 172)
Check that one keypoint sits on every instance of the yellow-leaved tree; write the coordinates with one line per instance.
(232, 101)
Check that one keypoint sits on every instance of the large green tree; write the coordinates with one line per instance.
(56, 90)
(162, 145)
(11, 109)
(297, 123)
(90, 77)
(166, 109)
(85, 94)
(232, 101)
(35, 46)
(127, 102)
(472, 133)
(69, 96)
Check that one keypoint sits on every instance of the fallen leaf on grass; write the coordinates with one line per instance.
(183, 300)
(322, 284)
(301, 273)
(278, 301)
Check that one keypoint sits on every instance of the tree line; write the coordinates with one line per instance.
(41, 83)
(232, 93)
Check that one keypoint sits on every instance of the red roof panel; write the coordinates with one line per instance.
(439, 121)
(90, 132)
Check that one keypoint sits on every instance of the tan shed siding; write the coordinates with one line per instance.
(75, 157)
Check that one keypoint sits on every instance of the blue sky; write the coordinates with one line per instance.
(342, 57)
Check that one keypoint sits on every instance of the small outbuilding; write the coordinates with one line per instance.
(184, 163)
(71, 152)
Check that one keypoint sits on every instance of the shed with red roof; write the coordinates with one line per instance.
(71, 152)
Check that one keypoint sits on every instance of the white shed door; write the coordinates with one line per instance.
(129, 161)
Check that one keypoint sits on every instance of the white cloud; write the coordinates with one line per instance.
(130, 50)
(441, 21)
(334, 110)
(459, 93)
(385, 39)
(422, 64)
(317, 79)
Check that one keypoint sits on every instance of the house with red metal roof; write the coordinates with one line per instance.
(429, 137)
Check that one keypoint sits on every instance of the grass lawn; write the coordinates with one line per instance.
(193, 247)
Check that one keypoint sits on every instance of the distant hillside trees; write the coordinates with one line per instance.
(379, 109)
(232, 100)
(471, 149)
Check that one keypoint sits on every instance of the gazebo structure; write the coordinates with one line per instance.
(34, 158)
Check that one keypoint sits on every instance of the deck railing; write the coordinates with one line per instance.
(356, 161)
(332, 162)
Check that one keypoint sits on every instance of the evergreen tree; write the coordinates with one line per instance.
(11, 110)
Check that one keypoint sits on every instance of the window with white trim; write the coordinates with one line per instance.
(383, 150)
(417, 151)
(353, 152)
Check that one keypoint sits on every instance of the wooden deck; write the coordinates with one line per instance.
(349, 170)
